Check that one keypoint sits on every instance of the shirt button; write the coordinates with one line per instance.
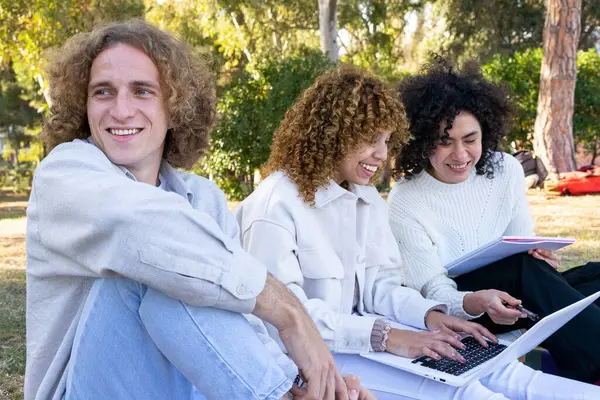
(241, 290)
(346, 343)
(359, 343)
(360, 259)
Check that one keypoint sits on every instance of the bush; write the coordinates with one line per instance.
(586, 121)
(521, 73)
(18, 176)
(250, 109)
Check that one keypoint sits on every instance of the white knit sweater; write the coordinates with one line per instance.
(435, 223)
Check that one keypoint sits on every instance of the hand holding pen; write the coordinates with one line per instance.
(499, 305)
(531, 315)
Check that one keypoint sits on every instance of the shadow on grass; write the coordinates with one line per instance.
(12, 333)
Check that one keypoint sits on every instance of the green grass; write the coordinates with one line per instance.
(12, 215)
(12, 333)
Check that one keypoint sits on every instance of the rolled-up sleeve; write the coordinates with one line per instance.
(96, 222)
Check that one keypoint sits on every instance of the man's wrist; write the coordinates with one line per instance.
(277, 305)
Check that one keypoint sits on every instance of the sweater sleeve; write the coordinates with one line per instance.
(94, 222)
(521, 223)
(423, 269)
(274, 245)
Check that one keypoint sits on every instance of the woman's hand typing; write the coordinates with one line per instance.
(451, 325)
(434, 344)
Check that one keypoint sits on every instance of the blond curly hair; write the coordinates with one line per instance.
(185, 78)
(341, 112)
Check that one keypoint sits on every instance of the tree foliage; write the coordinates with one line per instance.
(264, 52)
(250, 109)
(481, 29)
(521, 73)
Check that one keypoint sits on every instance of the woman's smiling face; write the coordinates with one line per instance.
(455, 158)
(360, 166)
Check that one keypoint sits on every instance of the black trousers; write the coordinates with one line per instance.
(575, 347)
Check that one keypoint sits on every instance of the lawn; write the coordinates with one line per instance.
(577, 217)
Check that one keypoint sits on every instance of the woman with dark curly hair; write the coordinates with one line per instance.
(321, 228)
(456, 192)
(136, 279)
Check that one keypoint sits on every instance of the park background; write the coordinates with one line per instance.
(263, 54)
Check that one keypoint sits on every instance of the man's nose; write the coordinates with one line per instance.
(123, 106)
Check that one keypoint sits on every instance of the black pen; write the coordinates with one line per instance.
(531, 315)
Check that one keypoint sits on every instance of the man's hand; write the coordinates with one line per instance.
(434, 344)
(546, 255)
(355, 391)
(498, 305)
(278, 306)
(451, 325)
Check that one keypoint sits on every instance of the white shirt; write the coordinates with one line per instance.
(320, 252)
(88, 218)
(435, 223)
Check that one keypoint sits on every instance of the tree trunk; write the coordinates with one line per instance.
(553, 134)
(328, 28)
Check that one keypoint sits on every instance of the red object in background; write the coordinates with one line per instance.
(583, 181)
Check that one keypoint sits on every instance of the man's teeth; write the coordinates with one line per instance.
(124, 132)
(368, 167)
(458, 166)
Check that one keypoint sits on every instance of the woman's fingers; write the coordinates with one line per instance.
(546, 255)
(426, 351)
(452, 338)
(473, 331)
(445, 350)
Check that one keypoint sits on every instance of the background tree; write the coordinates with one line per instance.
(553, 132)
(521, 73)
(328, 28)
(264, 52)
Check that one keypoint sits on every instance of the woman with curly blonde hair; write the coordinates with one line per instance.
(321, 228)
(135, 275)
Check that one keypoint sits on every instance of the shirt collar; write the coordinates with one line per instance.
(170, 174)
(333, 191)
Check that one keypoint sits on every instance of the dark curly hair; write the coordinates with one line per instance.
(438, 93)
(342, 111)
(185, 79)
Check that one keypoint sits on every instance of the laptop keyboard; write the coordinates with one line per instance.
(474, 353)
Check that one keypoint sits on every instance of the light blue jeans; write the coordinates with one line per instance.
(133, 342)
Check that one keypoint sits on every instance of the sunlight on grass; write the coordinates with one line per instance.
(577, 217)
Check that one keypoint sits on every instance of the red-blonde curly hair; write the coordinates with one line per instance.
(185, 79)
(344, 110)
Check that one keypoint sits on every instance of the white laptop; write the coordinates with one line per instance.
(527, 342)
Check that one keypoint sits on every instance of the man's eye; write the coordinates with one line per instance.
(443, 143)
(470, 141)
(102, 92)
(143, 92)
